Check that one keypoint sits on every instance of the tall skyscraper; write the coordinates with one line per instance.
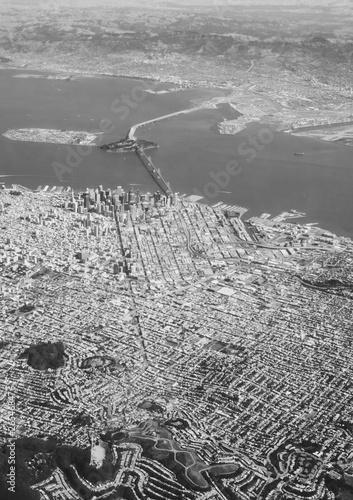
(133, 213)
(132, 196)
(176, 199)
(102, 195)
(86, 199)
(157, 196)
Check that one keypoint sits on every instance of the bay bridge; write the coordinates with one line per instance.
(154, 172)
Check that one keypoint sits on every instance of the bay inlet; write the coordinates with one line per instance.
(318, 183)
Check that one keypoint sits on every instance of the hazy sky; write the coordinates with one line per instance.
(116, 3)
(55, 4)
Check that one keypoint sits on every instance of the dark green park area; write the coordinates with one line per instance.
(45, 355)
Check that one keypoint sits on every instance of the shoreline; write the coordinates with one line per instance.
(140, 133)
(289, 214)
(193, 85)
(336, 133)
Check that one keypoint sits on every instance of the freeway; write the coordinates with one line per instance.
(186, 230)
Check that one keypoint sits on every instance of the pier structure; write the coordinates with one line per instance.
(154, 172)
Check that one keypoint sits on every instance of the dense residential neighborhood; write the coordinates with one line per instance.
(186, 351)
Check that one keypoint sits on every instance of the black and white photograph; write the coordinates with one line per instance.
(176, 249)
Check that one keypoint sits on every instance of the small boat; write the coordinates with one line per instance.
(299, 154)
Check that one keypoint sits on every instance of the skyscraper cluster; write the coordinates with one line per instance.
(129, 205)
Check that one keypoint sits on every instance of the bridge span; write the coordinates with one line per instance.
(154, 172)
(145, 160)
(132, 131)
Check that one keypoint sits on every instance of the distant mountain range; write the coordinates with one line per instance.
(175, 4)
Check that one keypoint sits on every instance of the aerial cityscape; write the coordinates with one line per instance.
(175, 323)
